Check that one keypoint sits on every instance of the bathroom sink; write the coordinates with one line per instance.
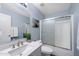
(18, 51)
(23, 50)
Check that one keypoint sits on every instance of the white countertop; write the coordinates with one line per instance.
(29, 48)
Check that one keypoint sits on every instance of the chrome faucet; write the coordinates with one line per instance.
(13, 46)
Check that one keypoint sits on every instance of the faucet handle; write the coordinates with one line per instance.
(21, 42)
(18, 44)
(13, 46)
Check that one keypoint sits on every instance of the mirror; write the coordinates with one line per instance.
(5, 28)
(11, 30)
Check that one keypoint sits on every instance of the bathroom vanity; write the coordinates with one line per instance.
(27, 49)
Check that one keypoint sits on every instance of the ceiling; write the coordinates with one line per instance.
(17, 8)
(51, 8)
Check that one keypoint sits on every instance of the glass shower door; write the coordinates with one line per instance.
(62, 34)
(57, 32)
(48, 32)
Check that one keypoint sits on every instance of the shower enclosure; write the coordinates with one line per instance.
(58, 32)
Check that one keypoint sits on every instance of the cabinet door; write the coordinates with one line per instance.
(5, 28)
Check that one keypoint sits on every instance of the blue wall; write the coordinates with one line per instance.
(75, 11)
(36, 14)
(16, 19)
(65, 12)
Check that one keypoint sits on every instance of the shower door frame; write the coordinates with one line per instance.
(65, 21)
(71, 30)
